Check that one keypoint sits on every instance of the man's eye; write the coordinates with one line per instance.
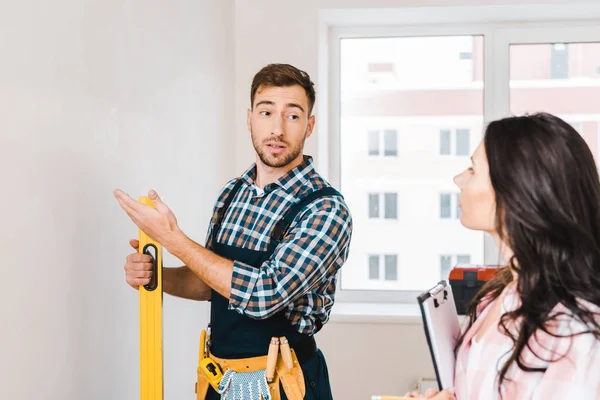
(293, 117)
(265, 113)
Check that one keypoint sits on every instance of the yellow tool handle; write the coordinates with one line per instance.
(286, 353)
(272, 359)
(202, 353)
(151, 356)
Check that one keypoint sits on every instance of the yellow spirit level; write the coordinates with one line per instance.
(151, 354)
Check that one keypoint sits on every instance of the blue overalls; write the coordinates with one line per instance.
(235, 336)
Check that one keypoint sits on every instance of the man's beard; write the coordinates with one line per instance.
(277, 160)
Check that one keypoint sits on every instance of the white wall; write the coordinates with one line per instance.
(287, 32)
(96, 95)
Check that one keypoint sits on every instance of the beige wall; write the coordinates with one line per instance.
(96, 95)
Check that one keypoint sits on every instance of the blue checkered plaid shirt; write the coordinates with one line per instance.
(301, 275)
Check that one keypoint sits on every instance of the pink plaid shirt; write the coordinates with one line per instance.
(576, 376)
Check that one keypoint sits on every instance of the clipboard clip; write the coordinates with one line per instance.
(436, 290)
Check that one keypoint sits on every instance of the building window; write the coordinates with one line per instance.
(463, 259)
(445, 266)
(449, 206)
(448, 261)
(389, 206)
(373, 205)
(455, 142)
(373, 143)
(390, 143)
(374, 267)
(383, 143)
(462, 142)
(383, 266)
(445, 140)
(559, 67)
(391, 267)
(445, 207)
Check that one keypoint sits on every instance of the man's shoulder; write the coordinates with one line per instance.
(225, 191)
(328, 202)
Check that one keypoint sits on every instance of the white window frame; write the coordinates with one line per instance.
(381, 259)
(500, 26)
(381, 206)
(453, 142)
(381, 139)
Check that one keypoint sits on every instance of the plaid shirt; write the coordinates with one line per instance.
(300, 277)
(576, 376)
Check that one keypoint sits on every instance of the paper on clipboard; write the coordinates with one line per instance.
(442, 329)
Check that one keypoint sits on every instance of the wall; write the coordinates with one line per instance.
(93, 96)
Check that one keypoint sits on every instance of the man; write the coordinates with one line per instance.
(277, 238)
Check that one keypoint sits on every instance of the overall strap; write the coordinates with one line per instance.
(282, 226)
(222, 210)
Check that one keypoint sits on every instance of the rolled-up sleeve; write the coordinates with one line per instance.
(311, 253)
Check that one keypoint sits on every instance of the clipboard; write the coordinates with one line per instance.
(442, 329)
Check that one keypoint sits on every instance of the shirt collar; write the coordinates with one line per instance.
(290, 182)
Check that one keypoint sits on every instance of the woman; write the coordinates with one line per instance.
(534, 330)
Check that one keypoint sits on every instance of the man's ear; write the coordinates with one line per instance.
(311, 126)
(249, 120)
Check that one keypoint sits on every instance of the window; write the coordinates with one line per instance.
(432, 79)
(390, 143)
(463, 259)
(445, 140)
(374, 267)
(448, 261)
(386, 140)
(374, 143)
(462, 142)
(373, 205)
(449, 208)
(385, 266)
(559, 61)
(561, 92)
(391, 267)
(389, 206)
(460, 138)
(445, 266)
(445, 206)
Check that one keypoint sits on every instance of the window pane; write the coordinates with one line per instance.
(560, 79)
(391, 267)
(462, 142)
(391, 206)
(373, 205)
(418, 87)
(390, 143)
(559, 61)
(373, 267)
(463, 259)
(445, 266)
(458, 210)
(445, 210)
(373, 143)
(445, 142)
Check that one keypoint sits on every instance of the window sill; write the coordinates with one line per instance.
(376, 313)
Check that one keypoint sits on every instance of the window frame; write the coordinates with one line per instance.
(500, 26)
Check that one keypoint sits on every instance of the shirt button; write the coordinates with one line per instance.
(241, 230)
(313, 384)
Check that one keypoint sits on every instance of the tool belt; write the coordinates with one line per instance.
(287, 371)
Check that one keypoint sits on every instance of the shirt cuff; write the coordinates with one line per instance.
(242, 285)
